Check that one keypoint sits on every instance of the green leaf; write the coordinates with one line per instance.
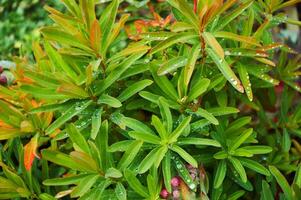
(239, 168)
(220, 174)
(106, 23)
(102, 143)
(213, 43)
(172, 65)
(120, 192)
(255, 166)
(226, 70)
(120, 146)
(113, 173)
(84, 185)
(184, 173)
(240, 139)
(148, 161)
(189, 68)
(281, 180)
(133, 89)
(77, 138)
(237, 124)
(57, 61)
(136, 125)
(166, 169)
(166, 114)
(186, 156)
(64, 38)
(198, 88)
(198, 141)
(146, 137)
(96, 123)
(156, 122)
(164, 84)
(207, 115)
(297, 178)
(266, 191)
(178, 38)
(179, 130)
(88, 11)
(235, 13)
(130, 154)
(258, 149)
(240, 38)
(85, 160)
(117, 72)
(63, 160)
(77, 108)
(135, 183)
(219, 111)
(109, 100)
(43, 93)
(186, 11)
(244, 77)
(69, 180)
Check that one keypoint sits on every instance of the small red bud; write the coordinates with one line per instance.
(175, 181)
(1, 69)
(3, 80)
(164, 193)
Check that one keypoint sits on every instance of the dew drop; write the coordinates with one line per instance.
(192, 186)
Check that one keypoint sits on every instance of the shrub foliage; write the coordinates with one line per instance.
(182, 100)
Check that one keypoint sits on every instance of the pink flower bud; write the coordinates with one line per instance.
(176, 194)
(1, 69)
(164, 193)
(175, 181)
(3, 80)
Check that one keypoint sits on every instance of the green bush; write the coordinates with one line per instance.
(177, 100)
(19, 22)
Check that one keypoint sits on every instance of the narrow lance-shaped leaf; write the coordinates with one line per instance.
(186, 156)
(255, 166)
(172, 65)
(239, 168)
(30, 152)
(240, 139)
(133, 89)
(165, 85)
(220, 174)
(130, 154)
(71, 112)
(213, 43)
(156, 122)
(189, 68)
(77, 138)
(109, 100)
(235, 13)
(166, 114)
(281, 180)
(57, 61)
(135, 184)
(181, 37)
(96, 123)
(146, 137)
(95, 36)
(244, 77)
(166, 169)
(148, 161)
(179, 130)
(198, 88)
(226, 70)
